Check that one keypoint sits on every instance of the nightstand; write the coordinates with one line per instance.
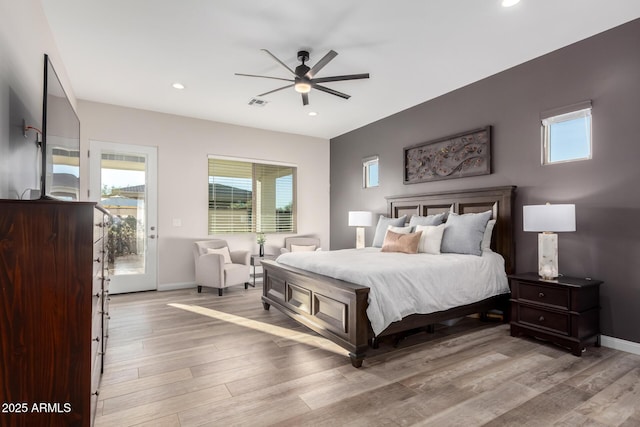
(564, 311)
(255, 262)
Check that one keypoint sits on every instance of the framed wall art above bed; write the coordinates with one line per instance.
(456, 156)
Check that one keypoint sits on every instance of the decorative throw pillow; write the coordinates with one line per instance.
(381, 229)
(436, 219)
(303, 248)
(222, 251)
(398, 242)
(399, 230)
(463, 234)
(486, 239)
(431, 238)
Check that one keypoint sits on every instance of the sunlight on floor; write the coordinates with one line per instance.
(287, 334)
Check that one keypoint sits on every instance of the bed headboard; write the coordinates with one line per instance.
(500, 200)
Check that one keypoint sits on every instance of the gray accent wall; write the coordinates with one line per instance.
(606, 189)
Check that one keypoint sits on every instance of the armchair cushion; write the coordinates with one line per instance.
(222, 251)
(301, 243)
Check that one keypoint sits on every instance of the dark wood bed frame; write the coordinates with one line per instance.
(337, 309)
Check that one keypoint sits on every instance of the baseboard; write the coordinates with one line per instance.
(176, 286)
(618, 344)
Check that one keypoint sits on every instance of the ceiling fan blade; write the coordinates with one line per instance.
(275, 90)
(331, 91)
(278, 61)
(340, 78)
(320, 65)
(305, 99)
(263, 77)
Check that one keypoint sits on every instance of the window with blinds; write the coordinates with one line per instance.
(247, 197)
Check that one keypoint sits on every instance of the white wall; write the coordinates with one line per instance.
(24, 39)
(183, 145)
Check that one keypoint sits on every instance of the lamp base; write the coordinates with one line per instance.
(548, 255)
(359, 237)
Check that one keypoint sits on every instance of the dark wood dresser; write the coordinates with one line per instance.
(52, 304)
(565, 311)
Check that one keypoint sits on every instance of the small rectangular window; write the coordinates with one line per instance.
(566, 137)
(370, 172)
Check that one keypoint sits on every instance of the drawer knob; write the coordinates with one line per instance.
(541, 319)
(541, 294)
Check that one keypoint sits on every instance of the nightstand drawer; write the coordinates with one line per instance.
(556, 322)
(539, 294)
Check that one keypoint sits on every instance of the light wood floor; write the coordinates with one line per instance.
(180, 358)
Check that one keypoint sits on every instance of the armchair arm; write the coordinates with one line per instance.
(240, 257)
(210, 270)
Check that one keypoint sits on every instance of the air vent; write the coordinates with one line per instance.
(257, 102)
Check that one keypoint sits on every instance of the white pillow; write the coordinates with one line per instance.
(486, 239)
(431, 238)
(222, 251)
(303, 248)
(400, 230)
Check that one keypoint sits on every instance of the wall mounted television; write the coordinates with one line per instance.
(60, 141)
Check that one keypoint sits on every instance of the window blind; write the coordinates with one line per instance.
(251, 197)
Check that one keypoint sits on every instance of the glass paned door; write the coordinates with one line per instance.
(123, 180)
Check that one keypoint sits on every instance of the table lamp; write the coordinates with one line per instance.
(360, 219)
(547, 220)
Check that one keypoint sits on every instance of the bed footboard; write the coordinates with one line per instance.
(333, 308)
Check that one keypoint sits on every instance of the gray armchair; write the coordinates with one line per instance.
(291, 244)
(212, 270)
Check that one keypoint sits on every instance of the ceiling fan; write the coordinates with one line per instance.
(304, 77)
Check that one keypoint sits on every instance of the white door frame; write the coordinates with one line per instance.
(121, 283)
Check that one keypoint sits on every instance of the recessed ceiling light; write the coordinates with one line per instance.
(313, 113)
(509, 3)
(178, 85)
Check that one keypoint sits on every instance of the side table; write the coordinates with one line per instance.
(256, 261)
(564, 311)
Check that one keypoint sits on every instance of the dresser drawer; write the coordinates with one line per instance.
(556, 322)
(541, 294)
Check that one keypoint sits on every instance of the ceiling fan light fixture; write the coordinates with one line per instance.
(302, 87)
(304, 78)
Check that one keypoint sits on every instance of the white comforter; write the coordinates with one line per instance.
(404, 284)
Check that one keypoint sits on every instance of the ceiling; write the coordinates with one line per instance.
(129, 53)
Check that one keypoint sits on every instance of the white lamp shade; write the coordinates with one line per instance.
(360, 219)
(551, 218)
